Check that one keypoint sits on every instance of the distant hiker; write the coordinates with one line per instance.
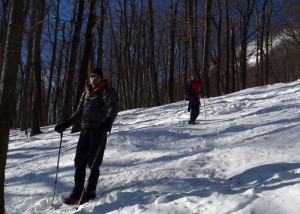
(97, 110)
(194, 100)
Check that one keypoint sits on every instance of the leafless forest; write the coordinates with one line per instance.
(147, 49)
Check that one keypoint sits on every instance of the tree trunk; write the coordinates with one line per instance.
(219, 32)
(206, 45)
(88, 41)
(3, 32)
(8, 85)
(57, 103)
(268, 13)
(261, 44)
(100, 37)
(173, 19)
(37, 100)
(68, 101)
(233, 60)
(122, 101)
(245, 13)
(53, 62)
(127, 70)
(152, 70)
(25, 110)
(227, 44)
(193, 41)
(257, 48)
(186, 45)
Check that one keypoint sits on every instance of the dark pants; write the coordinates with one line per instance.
(195, 109)
(90, 141)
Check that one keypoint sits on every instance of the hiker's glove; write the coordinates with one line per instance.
(62, 126)
(106, 125)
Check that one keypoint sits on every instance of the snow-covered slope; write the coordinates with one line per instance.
(243, 157)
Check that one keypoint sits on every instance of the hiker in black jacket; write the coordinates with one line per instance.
(97, 110)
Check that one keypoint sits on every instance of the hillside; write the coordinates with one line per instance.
(243, 157)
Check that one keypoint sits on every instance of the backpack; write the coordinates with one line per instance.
(115, 92)
(188, 92)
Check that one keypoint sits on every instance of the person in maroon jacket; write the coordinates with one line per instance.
(194, 101)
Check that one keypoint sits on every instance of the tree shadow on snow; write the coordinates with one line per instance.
(262, 178)
(267, 175)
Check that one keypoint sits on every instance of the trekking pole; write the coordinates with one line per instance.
(209, 101)
(61, 136)
(204, 108)
(88, 178)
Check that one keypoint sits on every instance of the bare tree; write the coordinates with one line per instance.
(227, 48)
(257, 46)
(3, 31)
(219, 51)
(53, 62)
(126, 78)
(152, 70)
(67, 106)
(206, 45)
(193, 38)
(25, 108)
(269, 9)
(261, 41)
(186, 45)
(173, 19)
(36, 108)
(100, 36)
(233, 59)
(8, 85)
(57, 103)
(88, 41)
(245, 9)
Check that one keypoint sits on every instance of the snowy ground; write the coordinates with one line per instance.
(243, 157)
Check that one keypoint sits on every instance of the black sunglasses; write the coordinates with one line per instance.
(95, 75)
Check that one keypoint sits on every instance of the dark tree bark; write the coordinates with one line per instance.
(88, 41)
(37, 100)
(227, 48)
(233, 60)
(152, 68)
(173, 19)
(57, 98)
(25, 99)
(68, 101)
(8, 85)
(206, 46)
(127, 67)
(219, 33)
(3, 31)
(139, 67)
(269, 8)
(193, 40)
(186, 45)
(100, 37)
(116, 49)
(245, 13)
(261, 43)
(257, 47)
(53, 62)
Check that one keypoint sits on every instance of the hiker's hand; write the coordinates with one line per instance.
(60, 127)
(106, 125)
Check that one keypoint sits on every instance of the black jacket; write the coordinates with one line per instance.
(95, 106)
